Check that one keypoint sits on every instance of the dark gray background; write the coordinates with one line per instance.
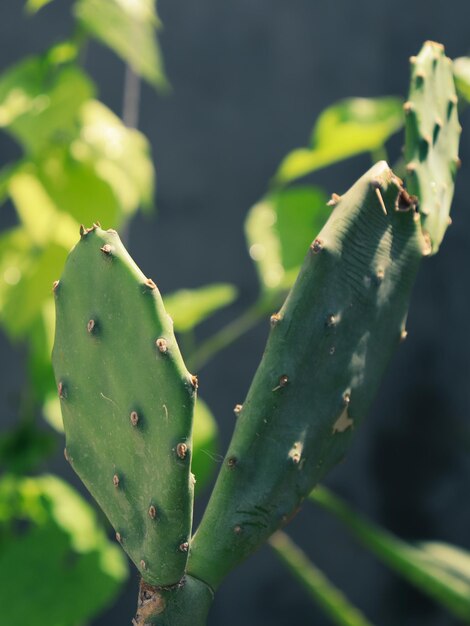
(249, 78)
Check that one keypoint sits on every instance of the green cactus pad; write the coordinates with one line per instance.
(432, 139)
(127, 402)
(326, 353)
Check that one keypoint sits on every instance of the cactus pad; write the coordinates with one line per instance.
(432, 139)
(327, 351)
(127, 402)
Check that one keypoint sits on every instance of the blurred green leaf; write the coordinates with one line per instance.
(77, 188)
(129, 28)
(441, 571)
(462, 76)
(205, 457)
(119, 155)
(190, 307)
(279, 230)
(63, 563)
(41, 337)
(40, 102)
(33, 6)
(24, 447)
(343, 130)
(329, 598)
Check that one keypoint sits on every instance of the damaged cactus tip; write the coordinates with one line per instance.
(127, 402)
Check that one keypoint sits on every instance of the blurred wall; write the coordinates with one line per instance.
(249, 78)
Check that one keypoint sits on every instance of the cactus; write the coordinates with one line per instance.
(328, 347)
(127, 398)
(432, 139)
(127, 402)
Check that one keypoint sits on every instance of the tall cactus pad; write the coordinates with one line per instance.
(326, 353)
(432, 139)
(127, 402)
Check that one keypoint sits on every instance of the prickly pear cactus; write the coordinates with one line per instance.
(326, 353)
(127, 402)
(432, 139)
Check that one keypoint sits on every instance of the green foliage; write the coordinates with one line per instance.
(49, 533)
(33, 6)
(190, 307)
(129, 28)
(205, 446)
(280, 228)
(333, 602)
(40, 102)
(462, 76)
(439, 570)
(343, 130)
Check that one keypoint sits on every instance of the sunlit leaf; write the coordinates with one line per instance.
(205, 459)
(129, 28)
(439, 570)
(76, 187)
(462, 76)
(33, 6)
(333, 602)
(279, 230)
(190, 307)
(343, 130)
(40, 101)
(119, 155)
(62, 558)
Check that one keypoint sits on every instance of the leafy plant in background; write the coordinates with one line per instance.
(81, 163)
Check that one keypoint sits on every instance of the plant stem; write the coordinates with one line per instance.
(227, 335)
(333, 602)
(131, 99)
